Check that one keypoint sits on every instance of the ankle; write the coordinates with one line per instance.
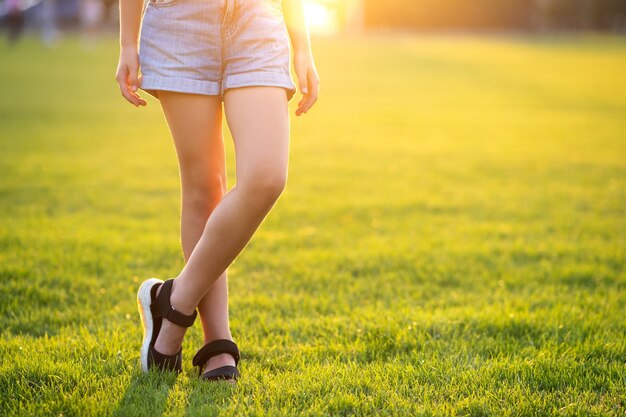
(178, 300)
(181, 301)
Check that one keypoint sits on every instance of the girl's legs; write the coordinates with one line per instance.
(195, 122)
(259, 121)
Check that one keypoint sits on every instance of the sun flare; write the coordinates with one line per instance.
(320, 17)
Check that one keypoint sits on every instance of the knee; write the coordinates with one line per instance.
(265, 186)
(203, 196)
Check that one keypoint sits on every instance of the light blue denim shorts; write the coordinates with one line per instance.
(209, 46)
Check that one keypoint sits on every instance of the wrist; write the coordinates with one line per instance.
(301, 43)
(303, 51)
(129, 46)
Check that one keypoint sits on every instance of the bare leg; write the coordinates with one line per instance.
(195, 122)
(259, 121)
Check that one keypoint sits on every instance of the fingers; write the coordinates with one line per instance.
(133, 74)
(128, 85)
(302, 80)
(310, 97)
(313, 93)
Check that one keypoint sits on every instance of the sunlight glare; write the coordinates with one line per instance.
(320, 18)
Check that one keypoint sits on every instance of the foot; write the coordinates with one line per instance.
(224, 359)
(212, 363)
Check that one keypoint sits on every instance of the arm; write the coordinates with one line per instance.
(128, 67)
(304, 65)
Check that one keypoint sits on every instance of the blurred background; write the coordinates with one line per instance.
(49, 18)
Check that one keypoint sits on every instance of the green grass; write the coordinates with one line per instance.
(452, 239)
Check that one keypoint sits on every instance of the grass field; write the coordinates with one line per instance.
(452, 239)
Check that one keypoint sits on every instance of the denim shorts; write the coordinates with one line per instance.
(209, 46)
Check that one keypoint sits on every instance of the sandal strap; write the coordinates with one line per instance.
(224, 372)
(161, 307)
(214, 348)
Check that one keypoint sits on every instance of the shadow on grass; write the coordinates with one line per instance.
(146, 395)
(209, 398)
(155, 393)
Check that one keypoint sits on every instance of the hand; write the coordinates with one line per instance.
(308, 81)
(126, 76)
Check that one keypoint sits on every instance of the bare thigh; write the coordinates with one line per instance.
(195, 122)
(258, 119)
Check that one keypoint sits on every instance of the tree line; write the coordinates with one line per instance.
(497, 14)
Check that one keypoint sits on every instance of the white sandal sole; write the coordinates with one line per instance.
(143, 305)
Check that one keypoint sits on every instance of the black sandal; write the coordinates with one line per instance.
(214, 348)
(153, 310)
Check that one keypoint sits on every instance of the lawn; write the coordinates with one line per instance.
(452, 239)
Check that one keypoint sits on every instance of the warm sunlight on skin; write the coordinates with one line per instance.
(320, 18)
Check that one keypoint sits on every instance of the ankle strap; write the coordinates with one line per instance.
(214, 348)
(161, 307)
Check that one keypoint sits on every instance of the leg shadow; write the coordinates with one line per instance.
(146, 394)
(209, 398)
